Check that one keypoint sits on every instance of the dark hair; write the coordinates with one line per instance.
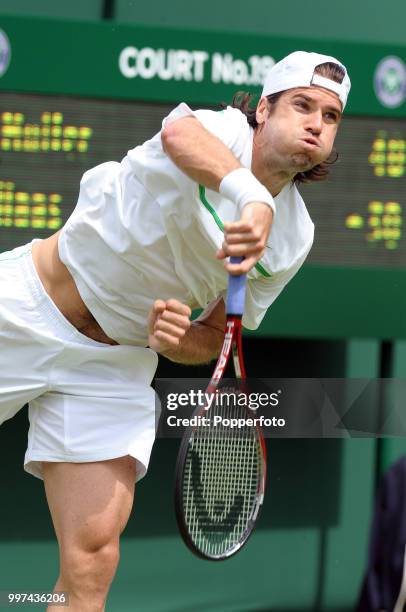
(242, 100)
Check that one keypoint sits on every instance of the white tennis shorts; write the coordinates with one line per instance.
(88, 401)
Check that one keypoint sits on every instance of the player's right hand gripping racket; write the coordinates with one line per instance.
(221, 470)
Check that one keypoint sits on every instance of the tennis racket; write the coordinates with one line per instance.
(221, 470)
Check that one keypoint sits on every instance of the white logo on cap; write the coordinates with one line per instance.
(5, 52)
(390, 81)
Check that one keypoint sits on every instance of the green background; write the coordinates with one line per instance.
(309, 550)
(362, 21)
(79, 57)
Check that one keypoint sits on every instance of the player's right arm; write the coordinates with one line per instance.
(209, 162)
(197, 152)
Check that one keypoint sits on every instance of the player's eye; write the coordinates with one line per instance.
(302, 104)
(331, 117)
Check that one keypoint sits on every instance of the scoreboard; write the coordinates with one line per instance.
(61, 114)
(47, 142)
(360, 212)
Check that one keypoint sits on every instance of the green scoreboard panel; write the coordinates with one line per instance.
(47, 142)
(360, 212)
(77, 95)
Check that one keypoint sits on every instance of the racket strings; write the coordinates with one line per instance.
(221, 482)
(216, 531)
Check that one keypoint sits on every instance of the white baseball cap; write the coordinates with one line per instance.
(297, 70)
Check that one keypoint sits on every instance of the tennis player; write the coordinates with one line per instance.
(84, 313)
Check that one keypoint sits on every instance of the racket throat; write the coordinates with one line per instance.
(232, 344)
(238, 359)
(225, 353)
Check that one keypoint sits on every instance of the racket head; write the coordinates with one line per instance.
(220, 481)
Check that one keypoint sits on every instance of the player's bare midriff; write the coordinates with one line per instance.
(62, 290)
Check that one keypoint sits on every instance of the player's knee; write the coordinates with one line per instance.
(90, 569)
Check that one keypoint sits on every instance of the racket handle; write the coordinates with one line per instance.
(236, 291)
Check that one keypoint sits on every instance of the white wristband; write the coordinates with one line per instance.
(241, 186)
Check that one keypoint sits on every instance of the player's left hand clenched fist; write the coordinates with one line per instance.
(247, 237)
(167, 324)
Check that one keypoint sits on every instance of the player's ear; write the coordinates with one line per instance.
(262, 110)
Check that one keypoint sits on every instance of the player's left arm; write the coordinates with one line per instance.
(173, 335)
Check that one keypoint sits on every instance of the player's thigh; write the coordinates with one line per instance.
(90, 503)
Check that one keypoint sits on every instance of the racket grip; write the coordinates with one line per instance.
(236, 291)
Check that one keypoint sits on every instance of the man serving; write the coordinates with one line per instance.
(84, 313)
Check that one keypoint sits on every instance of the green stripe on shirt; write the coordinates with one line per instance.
(220, 225)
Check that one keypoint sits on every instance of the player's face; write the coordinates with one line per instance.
(297, 132)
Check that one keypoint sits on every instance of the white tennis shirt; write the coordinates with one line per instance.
(143, 230)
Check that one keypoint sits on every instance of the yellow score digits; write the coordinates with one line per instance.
(24, 210)
(48, 135)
